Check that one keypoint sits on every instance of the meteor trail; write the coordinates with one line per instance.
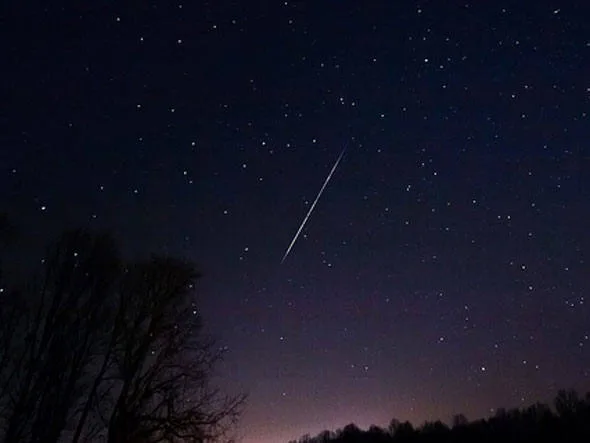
(313, 205)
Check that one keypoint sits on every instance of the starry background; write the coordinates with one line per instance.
(445, 267)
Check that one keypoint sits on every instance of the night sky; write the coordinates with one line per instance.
(444, 268)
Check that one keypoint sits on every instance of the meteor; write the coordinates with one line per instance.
(313, 205)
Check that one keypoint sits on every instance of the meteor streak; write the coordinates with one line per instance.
(313, 205)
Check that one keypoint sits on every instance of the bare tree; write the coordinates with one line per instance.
(105, 350)
(61, 332)
(459, 420)
(163, 362)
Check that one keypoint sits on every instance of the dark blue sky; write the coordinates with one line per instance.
(445, 268)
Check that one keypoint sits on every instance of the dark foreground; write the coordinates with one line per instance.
(568, 421)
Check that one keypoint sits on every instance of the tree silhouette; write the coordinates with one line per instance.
(349, 434)
(567, 403)
(405, 431)
(162, 362)
(61, 326)
(459, 420)
(95, 347)
(377, 434)
(534, 424)
(394, 424)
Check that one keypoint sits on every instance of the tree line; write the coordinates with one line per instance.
(568, 421)
(96, 348)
